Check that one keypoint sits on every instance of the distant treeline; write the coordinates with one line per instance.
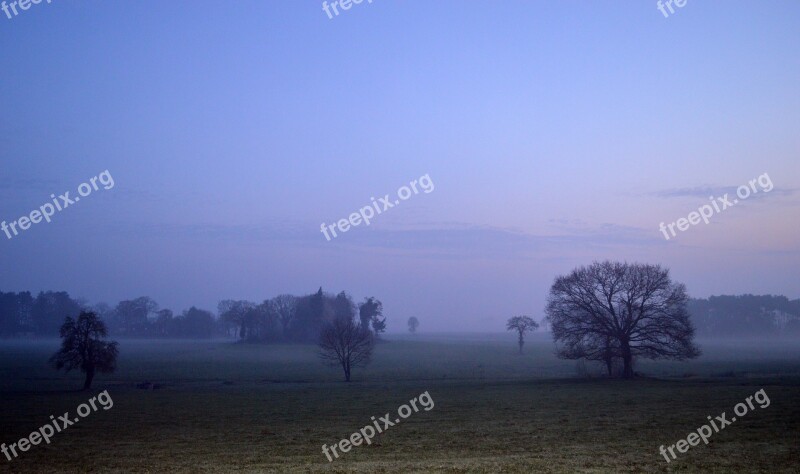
(282, 318)
(745, 315)
(22, 314)
(300, 318)
(297, 318)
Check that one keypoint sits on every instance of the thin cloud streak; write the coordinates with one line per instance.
(452, 239)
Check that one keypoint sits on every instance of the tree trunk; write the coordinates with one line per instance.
(610, 366)
(346, 368)
(627, 359)
(521, 342)
(89, 377)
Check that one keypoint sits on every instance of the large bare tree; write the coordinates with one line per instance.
(347, 343)
(613, 309)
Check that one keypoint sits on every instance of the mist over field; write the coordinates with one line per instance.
(380, 236)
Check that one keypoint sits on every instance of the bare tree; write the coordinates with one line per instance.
(521, 324)
(82, 347)
(346, 343)
(413, 324)
(621, 310)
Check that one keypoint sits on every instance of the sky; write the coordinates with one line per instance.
(554, 134)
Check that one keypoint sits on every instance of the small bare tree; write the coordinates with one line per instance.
(346, 343)
(521, 324)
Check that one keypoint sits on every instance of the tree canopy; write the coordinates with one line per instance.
(521, 324)
(623, 310)
(83, 347)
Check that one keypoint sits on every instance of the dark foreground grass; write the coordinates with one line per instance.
(203, 423)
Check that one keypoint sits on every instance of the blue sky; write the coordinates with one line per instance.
(556, 133)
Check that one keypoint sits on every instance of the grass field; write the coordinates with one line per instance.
(225, 407)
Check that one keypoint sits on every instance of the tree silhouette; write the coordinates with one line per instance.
(346, 343)
(236, 313)
(521, 324)
(82, 347)
(370, 312)
(413, 324)
(286, 307)
(132, 316)
(623, 310)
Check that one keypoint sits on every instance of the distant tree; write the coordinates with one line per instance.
(378, 326)
(285, 307)
(312, 312)
(132, 316)
(250, 324)
(83, 347)
(260, 323)
(521, 324)
(343, 306)
(24, 312)
(15, 313)
(164, 325)
(635, 307)
(237, 313)
(195, 323)
(345, 343)
(745, 316)
(370, 313)
(48, 310)
(413, 324)
(103, 311)
(269, 327)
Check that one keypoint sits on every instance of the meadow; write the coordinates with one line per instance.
(220, 406)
